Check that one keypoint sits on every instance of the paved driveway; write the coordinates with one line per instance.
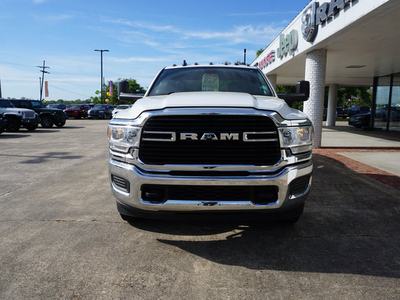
(62, 238)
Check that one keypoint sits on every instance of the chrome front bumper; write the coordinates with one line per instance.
(137, 177)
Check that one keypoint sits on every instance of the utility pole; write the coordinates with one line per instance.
(101, 75)
(41, 80)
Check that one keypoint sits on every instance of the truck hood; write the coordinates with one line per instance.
(14, 110)
(211, 99)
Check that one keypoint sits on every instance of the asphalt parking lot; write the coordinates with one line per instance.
(61, 236)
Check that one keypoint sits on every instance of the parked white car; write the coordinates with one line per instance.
(119, 108)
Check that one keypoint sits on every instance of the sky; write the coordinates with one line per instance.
(142, 38)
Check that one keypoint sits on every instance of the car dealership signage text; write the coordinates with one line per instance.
(316, 14)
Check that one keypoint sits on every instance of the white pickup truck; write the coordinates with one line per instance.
(211, 140)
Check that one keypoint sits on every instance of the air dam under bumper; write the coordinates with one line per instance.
(129, 185)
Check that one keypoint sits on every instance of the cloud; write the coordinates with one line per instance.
(143, 25)
(236, 35)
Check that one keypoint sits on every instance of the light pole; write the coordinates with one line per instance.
(101, 75)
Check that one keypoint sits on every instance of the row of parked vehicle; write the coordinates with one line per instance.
(359, 116)
(96, 111)
(28, 114)
(17, 113)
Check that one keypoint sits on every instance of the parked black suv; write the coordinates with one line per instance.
(48, 116)
(342, 112)
(360, 120)
(101, 111)
(355, 110)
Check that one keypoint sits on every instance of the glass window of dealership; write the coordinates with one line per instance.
(386, 103)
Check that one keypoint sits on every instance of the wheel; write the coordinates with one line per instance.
(61, 124)
(13, 125)
(47, 122)
(31, 127)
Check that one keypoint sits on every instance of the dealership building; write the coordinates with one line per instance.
(337, 43)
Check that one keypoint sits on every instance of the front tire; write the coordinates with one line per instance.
(13, 125)
(47, 122)
(61, 124)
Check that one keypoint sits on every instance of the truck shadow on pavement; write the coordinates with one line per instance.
(349, 226)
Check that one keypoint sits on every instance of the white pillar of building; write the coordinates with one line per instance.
(314, 106)
(332, 104)
(272, 79)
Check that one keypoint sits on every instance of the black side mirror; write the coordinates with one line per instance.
(302, 93)
(124, 94)
(123, 87)
(303, 87)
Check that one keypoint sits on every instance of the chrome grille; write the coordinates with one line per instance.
(29, 114)
(251, 148)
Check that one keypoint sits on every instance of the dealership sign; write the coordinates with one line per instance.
(316, 14)
(287, 44)
(313, 16)
(269, 59)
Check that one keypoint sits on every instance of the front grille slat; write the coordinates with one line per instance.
(29, 114)
(256, 194)
(211, 151)
(121, 183)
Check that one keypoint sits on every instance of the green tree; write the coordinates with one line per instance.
(359, 96)
(95, 100)
(259, 52)
(134, 88)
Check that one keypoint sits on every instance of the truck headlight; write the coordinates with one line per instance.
(298, 139)
(122, 138)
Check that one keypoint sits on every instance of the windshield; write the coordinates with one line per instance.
(37, 104)
(73, 106)
(6, 103)
(99, 106)
(210, 79)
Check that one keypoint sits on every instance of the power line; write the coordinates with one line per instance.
(58, 88)
(43, 70)
(8, 63)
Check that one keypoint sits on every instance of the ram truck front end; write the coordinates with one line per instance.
(205, 147)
